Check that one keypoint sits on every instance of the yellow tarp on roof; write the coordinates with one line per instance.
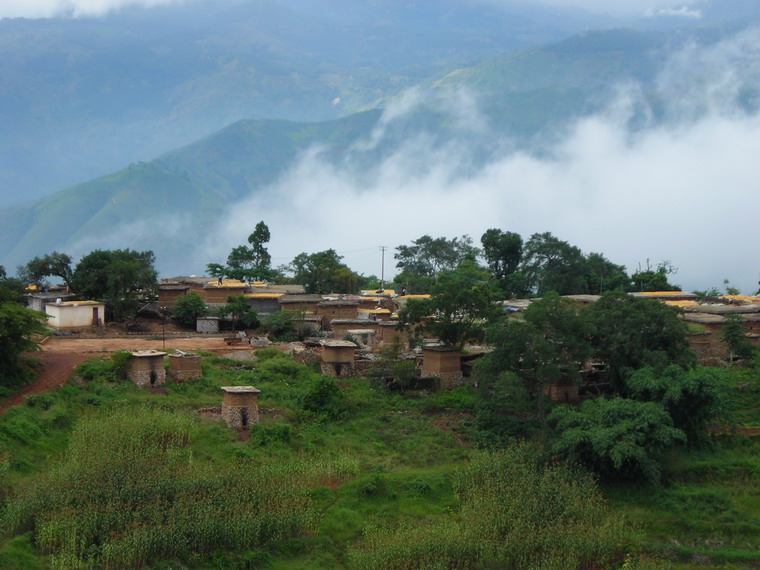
(681, 303)
(264, 295)
(416, 296)
(661, 293)
(228, 283)
(375, 311)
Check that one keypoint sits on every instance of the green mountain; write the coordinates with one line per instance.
(196, 184)
(526, 96)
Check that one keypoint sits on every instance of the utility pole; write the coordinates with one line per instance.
(382, 267)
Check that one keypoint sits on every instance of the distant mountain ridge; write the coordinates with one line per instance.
(525, 97)
(82, 97)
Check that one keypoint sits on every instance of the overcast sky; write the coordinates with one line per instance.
(48, 8)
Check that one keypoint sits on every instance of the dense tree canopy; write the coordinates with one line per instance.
(461, 302)
(632, 332)
(323, 272)
(53, 264)
(550, 342)
(122, 278)
(503, 253)
(617, 438)
(426, 257)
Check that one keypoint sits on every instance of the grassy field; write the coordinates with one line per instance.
(355, 477)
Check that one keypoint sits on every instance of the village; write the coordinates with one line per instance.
(345, 333)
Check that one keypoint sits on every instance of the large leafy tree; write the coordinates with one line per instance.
(734, 335)
(550, 264)
(550, 342)
(251, 261)
(602, 275)
(693, 398)
(632, 332)
(617, 438)
(323, 272)
(53, 264)
(503, 254)
(421, 261)
(654, 278)
(122, 278)
(461, 303)
(188, 308)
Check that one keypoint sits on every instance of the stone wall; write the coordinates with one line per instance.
(184, 368)
(147, 370)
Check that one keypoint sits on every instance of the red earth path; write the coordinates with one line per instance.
(61, 355)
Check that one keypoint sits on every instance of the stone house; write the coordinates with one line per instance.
(240, 406)
(146, 368)
(444, 363)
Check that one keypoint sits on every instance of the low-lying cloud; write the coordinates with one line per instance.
(686, 189)
(70, 8)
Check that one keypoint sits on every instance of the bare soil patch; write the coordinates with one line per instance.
(61, 355)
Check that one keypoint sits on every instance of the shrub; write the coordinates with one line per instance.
(188, 308)
(325, 398)
(618, 438)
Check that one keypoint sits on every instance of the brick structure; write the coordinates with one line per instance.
(388, 332)
(240, 406)
(338, 358)
(146, 368)
(368, 337)
(563, 391)
(207, 325)
(216, 294)
(306, 304)
(341, 326)
(184, 367)
(168, 293)
(444, 363)
(337, 309)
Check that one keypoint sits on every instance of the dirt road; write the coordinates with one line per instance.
(61, 355)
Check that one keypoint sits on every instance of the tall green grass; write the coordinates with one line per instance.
(517, 511)
(129, 491)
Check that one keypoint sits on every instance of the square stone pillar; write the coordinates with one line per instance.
(240, 407)
(444, 363)
(146, 368)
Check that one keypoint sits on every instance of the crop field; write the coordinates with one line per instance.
(101, 473)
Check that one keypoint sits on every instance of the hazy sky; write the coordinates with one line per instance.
(47, 8)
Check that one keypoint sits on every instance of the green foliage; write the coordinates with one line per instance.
(735, 336)
(17, 327)
(139, 497)
(391, 369)
(188, 308)
(517, 510)
(426, 257)
(503, 253)
(550, 264)
(619, 439)
(243, 315)
(693, 398)
(248, 262)
(654, 278)
(462, 302)
(323, 272)
(53, 264)
(629, 333)
(122, 278)
(550, 343)
(324, 398)
(281, 325)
